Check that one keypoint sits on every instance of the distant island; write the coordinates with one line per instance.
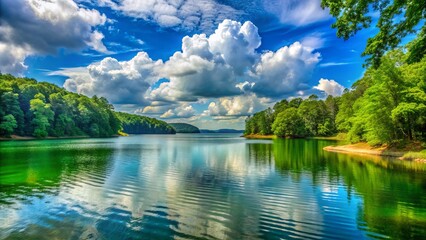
(31, 109)
(184, 128)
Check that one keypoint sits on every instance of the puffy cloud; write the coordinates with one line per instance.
(243, 105)
(330, 87)
(96, 42)
(210, 66)
(284, 71)
(12, 58)
(170, 111)
(236, 44)
(39, 27)
(149, 110)
(183, 111)
(120, 82)
(296, 12)
(186, 14)
(224, 67)
(214, 66)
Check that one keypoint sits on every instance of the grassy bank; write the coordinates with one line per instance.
(413, 151)
(259, 136)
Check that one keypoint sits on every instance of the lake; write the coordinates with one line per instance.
(205, 186)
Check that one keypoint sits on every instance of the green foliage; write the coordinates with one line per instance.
(317, 118)
(260, 122)
(42, 109)
(7, 125)
(135, 124)
(386, 106)
(289, 123)
(393, 107)
(314, 113)
(43, 115)
(9, 103)
(397, 20)
(184, 128)
(415, 155)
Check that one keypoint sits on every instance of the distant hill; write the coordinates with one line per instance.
(221, 131)
(39, 109)
(184, 128)
(135, 124)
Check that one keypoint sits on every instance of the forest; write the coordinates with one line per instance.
(40, 109)
(185, 128)
(387, 105)
(135, 124)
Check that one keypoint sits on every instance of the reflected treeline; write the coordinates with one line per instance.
(31, 172)
(261, 153)
(393, 191)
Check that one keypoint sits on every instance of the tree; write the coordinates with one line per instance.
(289, 124)
(410, 114)
(397, 19)
(43, 114)
(135, 124)
(280, 106)
(313, 113)
(393, 107)
(32, 103)
(295, 102)
(249, 128)
(7, 125)
(9, 103)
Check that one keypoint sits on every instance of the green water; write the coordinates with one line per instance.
(205, 186)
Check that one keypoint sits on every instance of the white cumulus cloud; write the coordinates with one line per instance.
(243, 105)
(210, 66)
(224, 68)
(121, 82)
(30, 27)
(183, 111)
(226, 63)
(330, 87)
(284, 71)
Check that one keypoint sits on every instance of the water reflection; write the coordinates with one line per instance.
(196, 186)
(394, 201)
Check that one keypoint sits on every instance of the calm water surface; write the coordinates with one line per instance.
(205, 186)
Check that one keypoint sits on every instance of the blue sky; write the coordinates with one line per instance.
(207, 62)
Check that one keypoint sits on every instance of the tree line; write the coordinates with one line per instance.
(135, 124)
(387, 105)
(40, 109)
(185, 128)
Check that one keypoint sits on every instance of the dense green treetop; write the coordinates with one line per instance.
(185, 128)
(397, 19)
(296, 118)
(135, 124)
(40, 109)
(386, 106)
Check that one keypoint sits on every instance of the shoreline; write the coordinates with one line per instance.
(259, 136)
(365, 149)
(29, 138)
(410, 153)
